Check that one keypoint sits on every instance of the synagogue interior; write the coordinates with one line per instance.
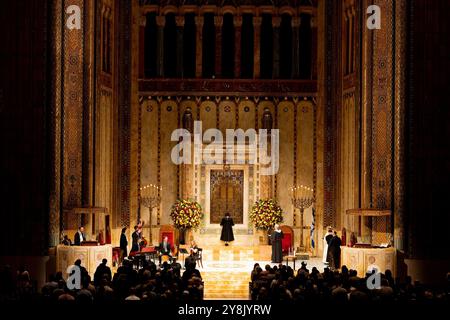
(135, 131)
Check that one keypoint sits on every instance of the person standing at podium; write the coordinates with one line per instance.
(79, 236)
(277, 251)
(227, 229)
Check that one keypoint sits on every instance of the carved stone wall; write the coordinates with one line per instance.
(160, 116)
(348, 118)
(369, 117)
(348, 164)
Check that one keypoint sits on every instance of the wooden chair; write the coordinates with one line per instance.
(199, 257)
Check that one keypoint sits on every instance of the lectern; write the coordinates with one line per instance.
(365, 257)
(94, 220)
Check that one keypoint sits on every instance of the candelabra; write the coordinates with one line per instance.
(302, 198)
(150, 198)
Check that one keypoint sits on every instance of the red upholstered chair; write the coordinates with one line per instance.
(170, 232)
(288, 239)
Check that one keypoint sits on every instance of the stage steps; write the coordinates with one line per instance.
(226, 272)
(236, 253)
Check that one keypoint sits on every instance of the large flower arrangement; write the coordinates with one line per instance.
(186, 214)
(265, 214)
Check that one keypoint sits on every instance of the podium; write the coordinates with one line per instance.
(365, 257)
(90, 256)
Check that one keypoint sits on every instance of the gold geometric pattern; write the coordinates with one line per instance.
(73, 117)
(382, 113)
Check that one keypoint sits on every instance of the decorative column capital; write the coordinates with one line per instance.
(347, 13)
(103, 10)
(295, 22)
(108, 13)
(179, 21)
(199, 20)
(143, 20)
(237, 21)
(160, 21)
(257, 21)
(218, 21)
(276, 21)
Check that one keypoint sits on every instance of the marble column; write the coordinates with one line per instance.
(257, 47)
(198, 46)
(276, 21)
(218, 23)
(295, 47)
(142, 24)
(237, 48)
(160, 23)
(179, 20)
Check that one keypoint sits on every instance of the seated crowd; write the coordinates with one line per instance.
(282, 284)
(150, 283)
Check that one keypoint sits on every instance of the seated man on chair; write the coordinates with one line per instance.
(165, 249)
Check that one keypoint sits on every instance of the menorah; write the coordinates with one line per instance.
(150, 198)
(302, 198)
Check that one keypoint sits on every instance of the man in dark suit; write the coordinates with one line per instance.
(135, 236)
(165, 249)
(79, 236)
(123, 244)
(334, 252)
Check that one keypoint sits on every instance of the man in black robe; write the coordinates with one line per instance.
(277, 250)
(334, 252)
(123, 244)
(227, 229)
(328, 238)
